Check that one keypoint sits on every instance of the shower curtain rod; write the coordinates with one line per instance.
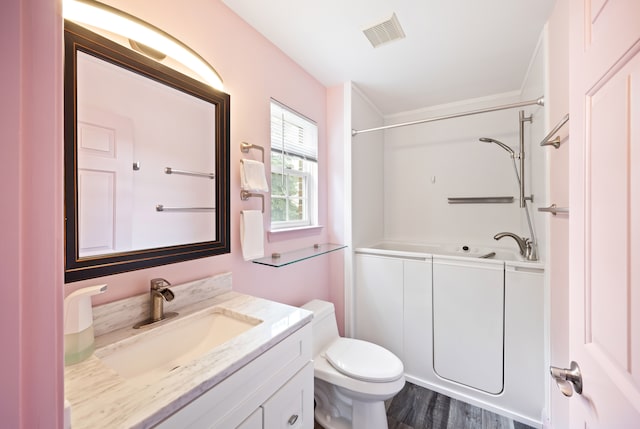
(539, 101)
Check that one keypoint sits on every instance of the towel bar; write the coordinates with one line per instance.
(169, 170)
(162, 208)
(554, 210)
(556, 141)
(245, 195)
(245, 147)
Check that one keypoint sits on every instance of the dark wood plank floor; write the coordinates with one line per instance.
(419, 408)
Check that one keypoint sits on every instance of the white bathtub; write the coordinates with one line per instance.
(396, 248)
(469, 327)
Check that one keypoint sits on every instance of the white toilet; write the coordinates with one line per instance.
(353, 378)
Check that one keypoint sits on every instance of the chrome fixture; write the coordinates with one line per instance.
(538, 101)
(245, 147)
(523, 119)
(163, 208)
(169, 170)
(480, 200)
(568, 379)
(245, 195)
(159, 293)
(527, 247)
(547, 141)
(499, 143)
(531, 244)
(488, 255)
(553, 209)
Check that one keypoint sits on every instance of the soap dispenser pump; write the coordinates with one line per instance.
(78, 324)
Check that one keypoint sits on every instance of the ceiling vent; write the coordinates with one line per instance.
(385, 32)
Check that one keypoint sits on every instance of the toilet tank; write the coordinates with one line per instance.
(324, 326)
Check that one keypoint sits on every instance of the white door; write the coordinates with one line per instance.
(605, 212)
(105, 182)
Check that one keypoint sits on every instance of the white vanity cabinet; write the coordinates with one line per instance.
(389, 290)
(274, 391)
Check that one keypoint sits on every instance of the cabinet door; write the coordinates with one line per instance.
(254, 421)
(291, 407)
(418, 347)
(378, 301)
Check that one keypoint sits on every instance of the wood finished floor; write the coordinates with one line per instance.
(419, 408)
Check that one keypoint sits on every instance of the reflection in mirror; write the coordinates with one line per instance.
(146, 161)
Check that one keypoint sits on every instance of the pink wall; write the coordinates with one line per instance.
(31, 215)
(558, 69)
(254, 71)
(336, 114)
(31, 369)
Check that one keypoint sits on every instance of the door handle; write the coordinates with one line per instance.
(568, 379)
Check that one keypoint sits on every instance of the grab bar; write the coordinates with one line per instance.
(480, 200)
(553, 209)
(162, 208)
(169, 170)
(245, 195)
(245, 147)
(488, 255)
(556, 141)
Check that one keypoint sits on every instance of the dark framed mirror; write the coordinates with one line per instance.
(146, 161)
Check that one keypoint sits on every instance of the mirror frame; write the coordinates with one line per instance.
(78, 38)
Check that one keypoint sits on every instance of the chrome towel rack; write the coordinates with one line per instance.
(480, 200)
(245, 147)
(554, 210)
(163, 208)
(245, 195)
(556, 141)
(169, 170)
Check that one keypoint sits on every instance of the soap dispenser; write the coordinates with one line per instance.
(78, 324)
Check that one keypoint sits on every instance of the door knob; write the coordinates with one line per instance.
(568, 379)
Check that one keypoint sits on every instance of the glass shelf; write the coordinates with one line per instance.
(281, 259)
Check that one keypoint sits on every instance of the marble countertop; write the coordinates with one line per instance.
(101, 398)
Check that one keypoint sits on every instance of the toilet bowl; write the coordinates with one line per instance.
(353, 378)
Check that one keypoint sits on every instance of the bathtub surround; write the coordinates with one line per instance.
(402, 180)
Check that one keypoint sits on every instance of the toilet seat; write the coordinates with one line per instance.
(363, 360)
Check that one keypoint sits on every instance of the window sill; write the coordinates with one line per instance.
(302, 230)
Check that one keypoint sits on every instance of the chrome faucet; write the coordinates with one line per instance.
(527, 247)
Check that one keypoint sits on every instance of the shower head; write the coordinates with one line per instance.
(499, 143)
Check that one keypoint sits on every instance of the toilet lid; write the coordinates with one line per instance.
(364, 360)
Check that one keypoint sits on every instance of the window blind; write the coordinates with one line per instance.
(292, 133)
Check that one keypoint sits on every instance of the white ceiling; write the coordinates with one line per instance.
(454, 49)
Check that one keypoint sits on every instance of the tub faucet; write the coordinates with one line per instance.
(527, 247)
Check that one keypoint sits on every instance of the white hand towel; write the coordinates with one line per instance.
(251, 234)
(252, 176)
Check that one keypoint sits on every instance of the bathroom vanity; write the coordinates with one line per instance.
(259, 376)
(468, 327)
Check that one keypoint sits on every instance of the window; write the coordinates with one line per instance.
(294, 169)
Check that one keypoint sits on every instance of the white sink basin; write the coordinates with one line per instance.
(159, 350)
